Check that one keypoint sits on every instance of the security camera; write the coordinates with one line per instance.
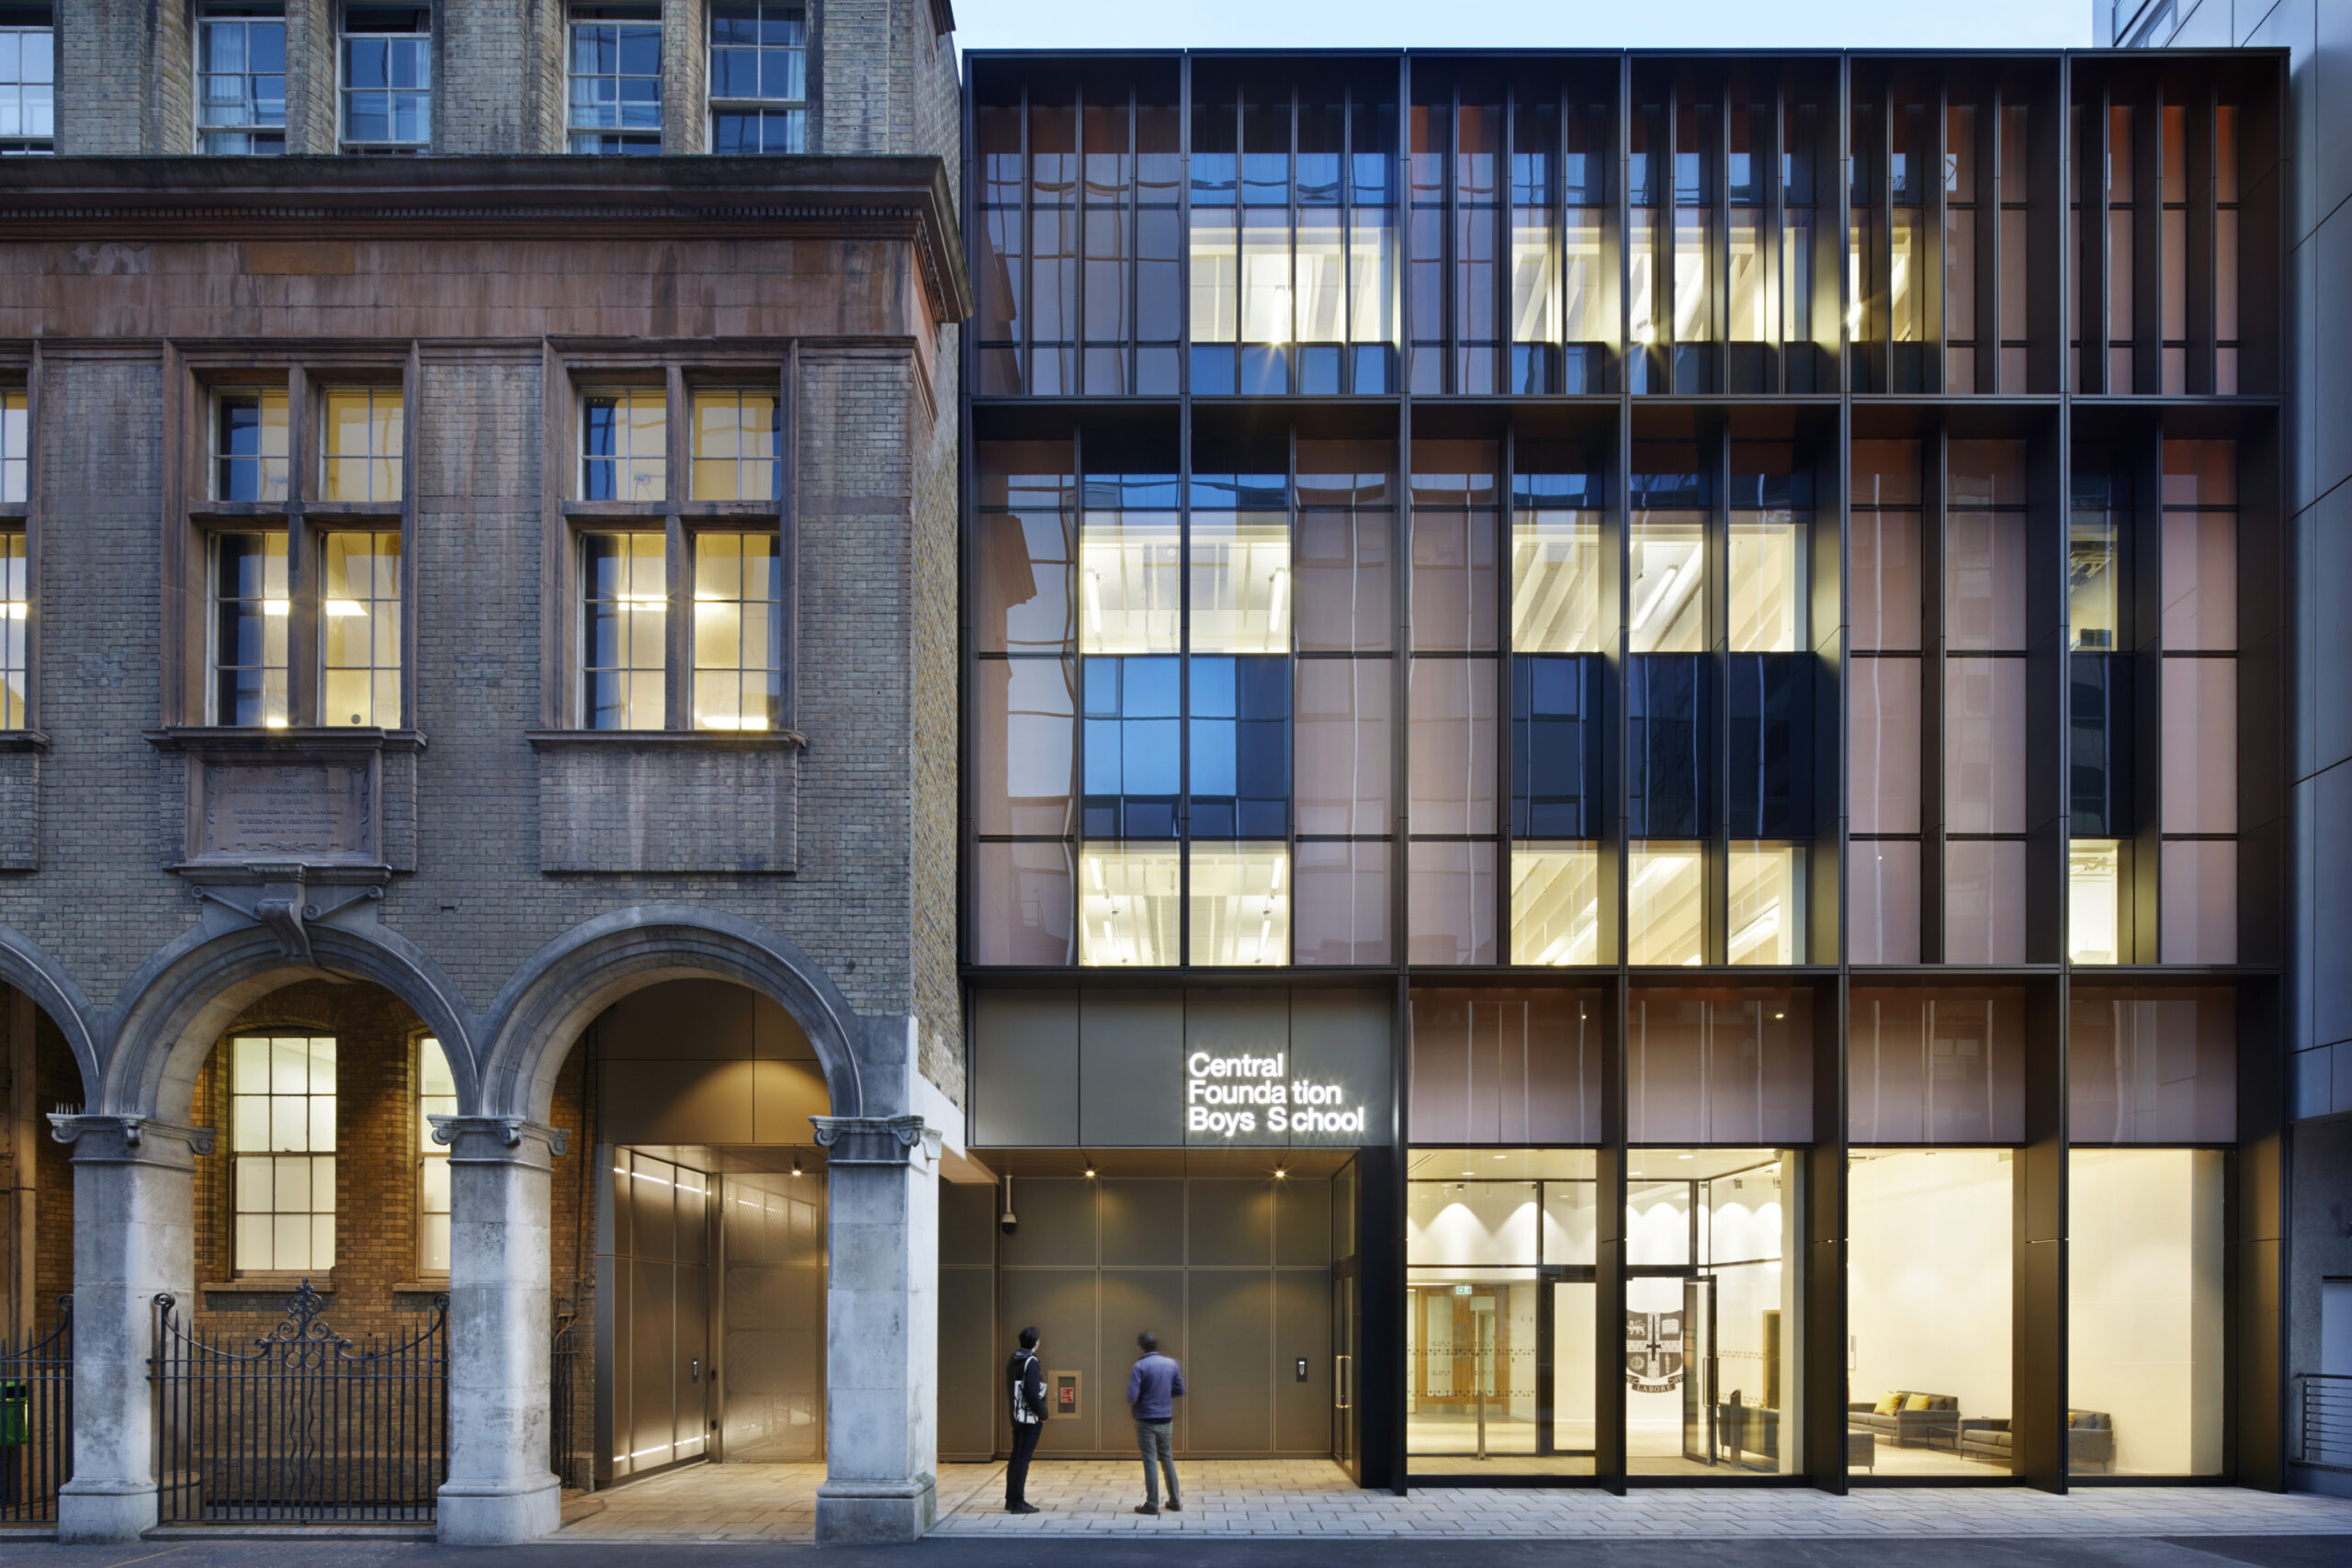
(1006, 1222)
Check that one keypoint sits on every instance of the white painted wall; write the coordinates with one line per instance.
(2143, 1309)
(1928, 1276)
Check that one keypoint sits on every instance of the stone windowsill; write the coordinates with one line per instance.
(248, 738)
(268, 1285)
(23, 740)
(669, 739)
(420, 1287)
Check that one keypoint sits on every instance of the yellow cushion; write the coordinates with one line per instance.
(1917, 1402)
(1888, 1404)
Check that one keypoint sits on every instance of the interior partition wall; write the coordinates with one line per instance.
(1737, 602)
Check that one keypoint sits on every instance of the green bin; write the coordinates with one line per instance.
(16, 1415)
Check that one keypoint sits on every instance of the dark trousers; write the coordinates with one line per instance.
(1016, 1475)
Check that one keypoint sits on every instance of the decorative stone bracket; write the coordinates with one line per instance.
(277, 897)
(877, 1140)
(499, 1140)
(129, 1140)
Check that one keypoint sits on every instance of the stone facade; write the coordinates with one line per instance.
(516, 874)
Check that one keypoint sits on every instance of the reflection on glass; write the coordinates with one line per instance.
(1482, 1328)
(1450, 902)
(1021, 904)
(1322, 277)
(1265, 277)
(1935, 1066)
(1342, 910)
(2200, 582)
(1985, 901)
(1752, 301)
(1666, 918)
(1534, 278)
(1884, 561)
(2091, 567)
(1507, 1066)
(1712, 1318)
(2198, 882)
(1927, 1312)
(1126, 903)
(1556, 583)
(2094, 886)
(1241, 589)
(1554, 904)
(1767, 583)
(2144, 1247)
(1240, 903)
(1883, 901)
(1765, 924)
(1128, 583)
(2152, 1065)
(1023, 745)
(1667, 612)
(1216, 279)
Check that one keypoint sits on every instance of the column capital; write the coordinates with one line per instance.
(877, 1140)
(129, 1140)
(500, 1140)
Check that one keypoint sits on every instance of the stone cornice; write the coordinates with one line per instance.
(499, 198)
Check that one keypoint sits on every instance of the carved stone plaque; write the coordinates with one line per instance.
(300, 811)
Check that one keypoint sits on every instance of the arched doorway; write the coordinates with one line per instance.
(709, 1253)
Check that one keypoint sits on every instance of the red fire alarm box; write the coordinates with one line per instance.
(1066, 1400)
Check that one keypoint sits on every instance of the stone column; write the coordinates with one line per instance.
(881, 1330)
(134, 1238)
(500, 1489)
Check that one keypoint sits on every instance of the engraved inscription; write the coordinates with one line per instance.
(308, 811)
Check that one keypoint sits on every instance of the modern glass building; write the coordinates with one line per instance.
(1624, 807)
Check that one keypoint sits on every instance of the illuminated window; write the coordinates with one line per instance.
(1766, 924)
(359, 629)
(15, 444)
(362, 444)
(2094, 931)
(739, 632)
(281, 1143)
(1554, 904)
(436, 1094)
(1666, 911)
(1240, 905)
(1127, 901)
(15, 606)
(738, 445)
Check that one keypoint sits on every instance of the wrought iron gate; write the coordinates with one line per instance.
(303, 1428)
(567, 1401)
(37, 1421)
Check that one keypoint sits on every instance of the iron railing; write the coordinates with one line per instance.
(568, 1400)
(37, 1421)
(303, 1428)
(2323, 1420)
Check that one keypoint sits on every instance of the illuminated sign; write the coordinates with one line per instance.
(1230, 1095)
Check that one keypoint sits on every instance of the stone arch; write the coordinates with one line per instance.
(176, 1006)
(27, 965)
(535, 1022)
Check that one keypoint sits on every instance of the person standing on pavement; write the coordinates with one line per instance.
(1152, 1389)
(1028, 1389)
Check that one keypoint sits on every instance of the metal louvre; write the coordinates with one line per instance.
(303, 1428)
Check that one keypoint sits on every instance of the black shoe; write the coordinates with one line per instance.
(1175, 1507)
(1146, 1508)
(1021, 1507)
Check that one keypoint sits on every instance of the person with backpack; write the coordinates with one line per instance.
(1028, 1388)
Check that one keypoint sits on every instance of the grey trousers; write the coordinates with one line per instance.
(1152, 1438)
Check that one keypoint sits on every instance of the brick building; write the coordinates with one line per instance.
(478, 492)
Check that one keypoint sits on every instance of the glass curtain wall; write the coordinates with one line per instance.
(1500, 1248)
(1712, 1380)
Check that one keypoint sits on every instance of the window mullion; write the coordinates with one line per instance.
(677, 683)
(303, 649)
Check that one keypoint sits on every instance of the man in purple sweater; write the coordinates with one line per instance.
(1152, 1389)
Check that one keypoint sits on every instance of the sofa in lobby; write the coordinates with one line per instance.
(1934, 1425)
(2090, 1442)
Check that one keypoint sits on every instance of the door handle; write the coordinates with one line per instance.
(1339, 1366)
(693, 1370)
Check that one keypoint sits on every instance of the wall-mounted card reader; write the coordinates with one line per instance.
(1065, 1395)
(1302, 1369)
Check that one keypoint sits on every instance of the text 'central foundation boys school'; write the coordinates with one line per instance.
(1582, 765)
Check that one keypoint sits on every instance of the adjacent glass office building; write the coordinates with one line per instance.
(1699, 638)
